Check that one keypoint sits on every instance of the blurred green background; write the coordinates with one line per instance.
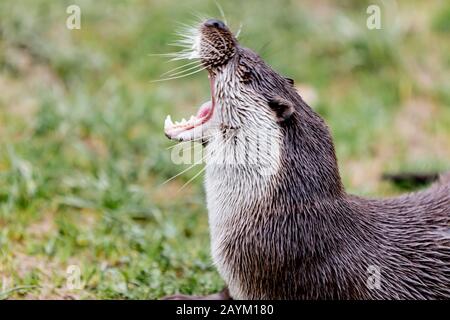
(83, 156)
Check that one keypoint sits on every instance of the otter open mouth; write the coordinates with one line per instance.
(185, 130)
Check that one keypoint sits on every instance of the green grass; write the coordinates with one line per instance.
(83, 157)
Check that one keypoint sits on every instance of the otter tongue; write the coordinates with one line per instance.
(204, 110)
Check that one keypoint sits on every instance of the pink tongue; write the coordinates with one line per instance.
(204, 109)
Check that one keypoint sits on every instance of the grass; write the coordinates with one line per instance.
(83, 158)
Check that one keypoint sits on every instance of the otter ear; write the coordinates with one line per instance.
(283, 108)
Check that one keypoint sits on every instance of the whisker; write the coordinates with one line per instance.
(180, 55)
(187, 45)
(184, 55)
(224, 145)
(178, 68)
(173, 78)
(193, 147)
(238, 33)
(203, 137)
(179, 174)
(187, 142)
(168, 54)
(186, 32)
(189, 168)
(222, 13)
(200, 16)
(185, 39)
(192, 179)
(194, 144)
(196, 17)
(188, 72)
(185, 70)
(182, 43)
(193, 140)
(181, 76)
(185, 170)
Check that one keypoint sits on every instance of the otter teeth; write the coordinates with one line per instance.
(168, 122)
(183, 122)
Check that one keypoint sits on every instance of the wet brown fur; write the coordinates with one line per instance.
(308, 238)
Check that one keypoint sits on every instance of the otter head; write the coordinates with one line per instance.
(245, 92)
(256, 115)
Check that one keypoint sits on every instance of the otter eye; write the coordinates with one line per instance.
(291, 81)
(245, 73)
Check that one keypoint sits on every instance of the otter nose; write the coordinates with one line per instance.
(214, 23)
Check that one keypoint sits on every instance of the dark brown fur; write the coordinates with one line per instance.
(316, 242)
(309, 239)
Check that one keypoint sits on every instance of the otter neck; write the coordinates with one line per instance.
(309, 160)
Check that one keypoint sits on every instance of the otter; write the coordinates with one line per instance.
(281, 224)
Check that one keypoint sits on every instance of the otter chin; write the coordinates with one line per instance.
(282, 225)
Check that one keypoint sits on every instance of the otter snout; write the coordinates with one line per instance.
(217, 43)
(214, 23)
